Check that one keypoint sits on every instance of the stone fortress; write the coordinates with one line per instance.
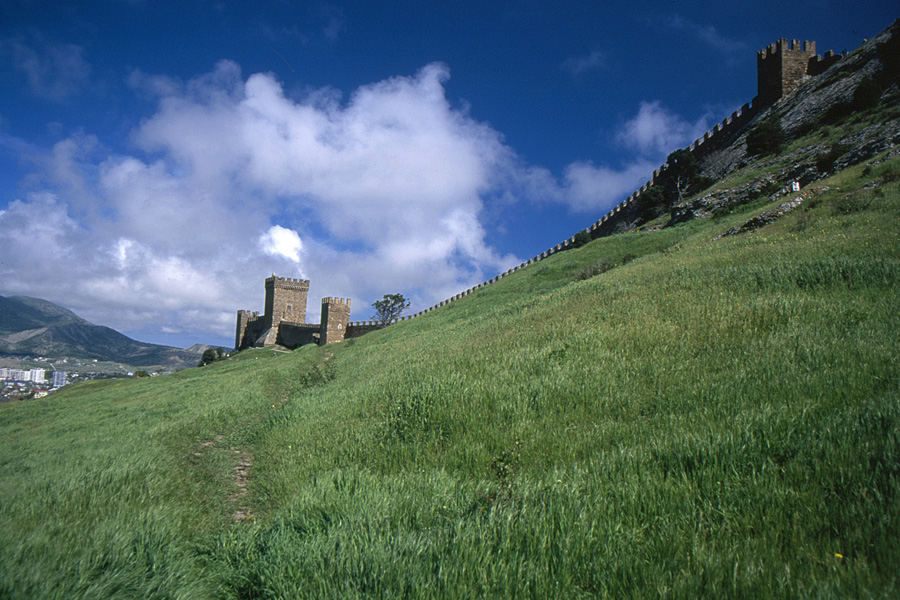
(781, 68)
(284, 320)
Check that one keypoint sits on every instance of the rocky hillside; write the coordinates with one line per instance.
(30, 326)
(844, 116)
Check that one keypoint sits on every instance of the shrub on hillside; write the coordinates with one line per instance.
(766, 138)
(582, 238)
(867, 95)
(602, 266)
(211, 355)
(679, 179)
(652, 203)
(825, 162)
(852, 202)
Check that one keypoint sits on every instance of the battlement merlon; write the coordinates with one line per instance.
(287, 283)
(782, 46)
(335, 301)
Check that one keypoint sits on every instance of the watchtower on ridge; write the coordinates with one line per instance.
(783, 65)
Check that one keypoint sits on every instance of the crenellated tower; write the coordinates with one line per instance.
(246, 322)
(284, 320)
(285, 300)
(783, 65)
(335, 318)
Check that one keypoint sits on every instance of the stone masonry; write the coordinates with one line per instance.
(284, 320)
(782, 66)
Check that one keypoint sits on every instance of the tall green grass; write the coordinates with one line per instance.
(706, 419)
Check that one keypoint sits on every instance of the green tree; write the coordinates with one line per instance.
(681, 174)
(389, 308)
(652, 203)
(766, 138)
(210, 355)
(678, 180)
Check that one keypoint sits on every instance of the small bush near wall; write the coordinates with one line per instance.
(765, 138)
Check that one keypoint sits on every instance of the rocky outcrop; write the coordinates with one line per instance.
(770, 216)
(709, 204)
(837, 84)
(803, 166)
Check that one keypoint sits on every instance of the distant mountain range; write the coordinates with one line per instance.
(31, 326)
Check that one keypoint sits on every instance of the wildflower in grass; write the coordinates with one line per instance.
(838, 555)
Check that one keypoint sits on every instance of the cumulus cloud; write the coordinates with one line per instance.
(334, 22)
(280, 241)
(597, 188)
(232, 179)
(153, 86)
(382, 193)
(650, 136)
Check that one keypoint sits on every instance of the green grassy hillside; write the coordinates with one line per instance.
(702, 419)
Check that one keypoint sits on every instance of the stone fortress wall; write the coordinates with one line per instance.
(284, 320)
(781, 67)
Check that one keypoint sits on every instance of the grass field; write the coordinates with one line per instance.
(703, 419)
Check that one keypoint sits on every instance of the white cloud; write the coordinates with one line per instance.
(153, 86)
(384, 192)
(280, 241)
(651, 134)
(380, 194)
(37, 232)
(591, 188)
(656, 131)
(334, 22)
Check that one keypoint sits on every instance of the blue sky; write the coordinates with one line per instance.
(159, 159)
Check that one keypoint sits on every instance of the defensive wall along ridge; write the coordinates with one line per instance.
(781, 68)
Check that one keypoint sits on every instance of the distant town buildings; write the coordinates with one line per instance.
(59, 378)
(30, 375)
(18, 381)
(21, 384)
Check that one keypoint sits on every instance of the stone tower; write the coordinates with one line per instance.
(285, 300)
(335, 318)
(245, 319)
(781, 67)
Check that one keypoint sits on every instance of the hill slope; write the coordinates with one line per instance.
(670, 413)
(37, 327)
(706, 418)
(23, 313)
